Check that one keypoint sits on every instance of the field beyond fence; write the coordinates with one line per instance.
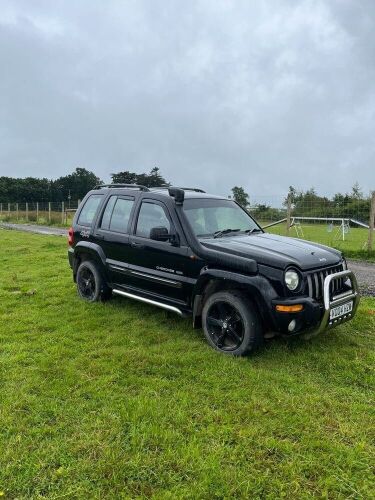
(344, 226)
(58, 213)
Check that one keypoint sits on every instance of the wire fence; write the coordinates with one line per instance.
(344, 224)
(266, 209)
(51, 213)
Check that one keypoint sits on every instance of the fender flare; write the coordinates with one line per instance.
(95, 251)
(257, 286)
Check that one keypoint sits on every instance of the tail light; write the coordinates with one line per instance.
(70, 236)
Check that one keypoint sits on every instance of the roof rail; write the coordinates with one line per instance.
(197, 190)
(129, 186)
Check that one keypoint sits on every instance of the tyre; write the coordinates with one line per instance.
(90, 283)
(231, 323)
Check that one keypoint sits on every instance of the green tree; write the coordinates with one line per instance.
(152, 179)
(240, 196)
(293, 194)
(356, 193)
(77, 184)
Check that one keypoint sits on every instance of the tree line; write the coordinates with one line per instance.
(30, 189)
(75, 185)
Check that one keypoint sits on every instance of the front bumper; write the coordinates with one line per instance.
(315, 316)
(331, 301)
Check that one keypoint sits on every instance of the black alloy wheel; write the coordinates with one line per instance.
(90, 283)
(225, 326)
(86, 284)
(231, 323)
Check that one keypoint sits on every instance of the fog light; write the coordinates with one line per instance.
(292, 325)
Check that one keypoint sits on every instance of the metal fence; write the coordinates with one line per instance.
(345, 224)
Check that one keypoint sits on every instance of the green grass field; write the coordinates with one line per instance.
(354, 245)
(122, 400)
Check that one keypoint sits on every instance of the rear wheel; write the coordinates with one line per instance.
(231, 324)
(90, 283)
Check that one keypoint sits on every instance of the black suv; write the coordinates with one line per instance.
(202, 255)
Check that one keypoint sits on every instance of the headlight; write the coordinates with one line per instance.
(291, 278)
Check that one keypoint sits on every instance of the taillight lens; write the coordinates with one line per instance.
(70, 236)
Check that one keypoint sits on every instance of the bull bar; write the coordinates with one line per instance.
(330, 301)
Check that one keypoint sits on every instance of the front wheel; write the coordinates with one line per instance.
(231, 324)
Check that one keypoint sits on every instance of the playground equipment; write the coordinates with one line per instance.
(341, 230)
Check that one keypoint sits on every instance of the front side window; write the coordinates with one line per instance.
(210, 216)
(151, 215)
(89, 210)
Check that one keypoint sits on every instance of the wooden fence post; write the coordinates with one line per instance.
(37, 211)
(27, 211)
(1, 209)
(288, 214)
(17, 211)
(62, 212)
(371, 223)
(49, 212)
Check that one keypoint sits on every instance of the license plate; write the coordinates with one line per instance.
(338, 311)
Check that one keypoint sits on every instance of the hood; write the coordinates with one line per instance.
(276, 251)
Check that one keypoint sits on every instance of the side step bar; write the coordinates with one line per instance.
(148, 301)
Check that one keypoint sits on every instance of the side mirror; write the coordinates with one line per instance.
(159, 234)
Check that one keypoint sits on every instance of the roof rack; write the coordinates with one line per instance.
(129, 186)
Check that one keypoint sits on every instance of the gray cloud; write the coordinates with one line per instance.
(215, 93)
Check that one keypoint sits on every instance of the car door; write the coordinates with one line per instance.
(159, 267)
(113, 232)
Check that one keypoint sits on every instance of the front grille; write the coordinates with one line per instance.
(315, 281)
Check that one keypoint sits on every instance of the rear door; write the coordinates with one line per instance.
(113, 232)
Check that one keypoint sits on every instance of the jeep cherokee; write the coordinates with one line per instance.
(203, 255)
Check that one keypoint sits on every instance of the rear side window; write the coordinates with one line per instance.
(106, 219)
(89, 210)
(118, 220)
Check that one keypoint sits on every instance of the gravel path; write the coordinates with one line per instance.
(365, 274)
(364, 271)
(33, 228)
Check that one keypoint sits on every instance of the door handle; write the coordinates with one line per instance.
(134, 244)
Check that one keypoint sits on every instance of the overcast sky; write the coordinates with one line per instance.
(261, 94)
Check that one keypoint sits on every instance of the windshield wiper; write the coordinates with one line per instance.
(217, 234)
(253, 230)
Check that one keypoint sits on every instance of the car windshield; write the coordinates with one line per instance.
(212, 217)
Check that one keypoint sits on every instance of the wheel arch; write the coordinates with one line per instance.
(256, 288)
(88, 251)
